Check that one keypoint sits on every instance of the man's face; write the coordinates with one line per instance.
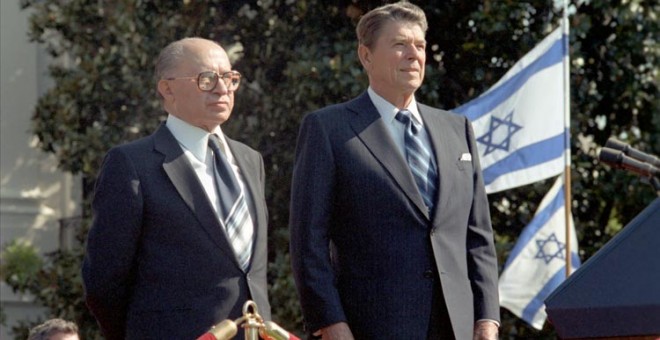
(395, 63)
(186, 101)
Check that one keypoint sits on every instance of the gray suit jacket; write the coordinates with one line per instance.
(353, 190)
(158, 263)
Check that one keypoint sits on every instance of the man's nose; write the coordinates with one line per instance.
(220, 87)
(412, 52)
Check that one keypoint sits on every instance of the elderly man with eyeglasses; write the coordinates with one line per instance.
(178, 241)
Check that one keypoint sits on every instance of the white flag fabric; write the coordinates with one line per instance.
(519, 121)
(537, 263)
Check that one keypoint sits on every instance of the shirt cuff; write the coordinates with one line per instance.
(489, 320)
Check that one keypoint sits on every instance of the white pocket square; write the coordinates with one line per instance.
(466, 157)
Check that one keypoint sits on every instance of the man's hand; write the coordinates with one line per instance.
(485, 330)
(338, 331)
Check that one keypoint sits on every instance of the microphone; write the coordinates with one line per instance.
(628, 150)
(618, 159)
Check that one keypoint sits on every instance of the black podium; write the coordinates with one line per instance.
(616, 293)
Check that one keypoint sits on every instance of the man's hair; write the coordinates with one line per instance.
(52, 327)
(370, 25)
(170, 57)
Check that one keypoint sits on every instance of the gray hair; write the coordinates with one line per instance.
(52, 327)
(370, 25)
(172, 55)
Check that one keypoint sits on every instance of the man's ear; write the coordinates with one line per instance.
(165, 90)
(365, 56)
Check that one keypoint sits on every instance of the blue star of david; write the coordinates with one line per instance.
(550, 248)
(489, 140)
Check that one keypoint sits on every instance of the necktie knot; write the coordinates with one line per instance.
(405, 117)
(215, 145)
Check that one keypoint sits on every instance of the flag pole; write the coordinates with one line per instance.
(567, 134)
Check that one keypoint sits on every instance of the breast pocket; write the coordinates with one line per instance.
(464, 162)
(459, 177)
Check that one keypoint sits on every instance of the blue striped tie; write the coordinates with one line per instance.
(234, 210)
(420, 159)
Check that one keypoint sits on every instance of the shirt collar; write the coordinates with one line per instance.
(193, 138)
(388, 111)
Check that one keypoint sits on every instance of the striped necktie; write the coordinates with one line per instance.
(420, 159)
(233, 207)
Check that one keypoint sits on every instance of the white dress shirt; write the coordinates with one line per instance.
(397, 129)
(194, 142)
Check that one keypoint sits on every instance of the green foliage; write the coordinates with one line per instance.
(53, 280)
(297, 56)
(282, 291)
(20, 262)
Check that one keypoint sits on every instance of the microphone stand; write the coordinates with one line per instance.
(655, 182)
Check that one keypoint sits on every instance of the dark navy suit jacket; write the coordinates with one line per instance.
(353, 190)
(158, 263)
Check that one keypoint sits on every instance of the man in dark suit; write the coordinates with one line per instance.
(178, 241)
(390, 227)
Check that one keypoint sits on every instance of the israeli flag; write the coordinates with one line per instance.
(537, 263)
(519, 122)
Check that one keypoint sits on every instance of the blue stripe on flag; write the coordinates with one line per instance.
(484, 104)
(537, 301)
(538, 222)
(575, 260)
(525, 157)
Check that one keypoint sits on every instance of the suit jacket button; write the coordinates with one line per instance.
(429, 274)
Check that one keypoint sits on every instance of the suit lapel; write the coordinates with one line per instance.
(178, 169)
(371, 130)
(437, 131)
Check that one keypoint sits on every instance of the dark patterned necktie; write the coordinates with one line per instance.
(420, 159)
(234, 210)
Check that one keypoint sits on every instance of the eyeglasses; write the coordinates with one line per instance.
(207, 81)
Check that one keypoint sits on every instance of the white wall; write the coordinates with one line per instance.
(34, 194)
